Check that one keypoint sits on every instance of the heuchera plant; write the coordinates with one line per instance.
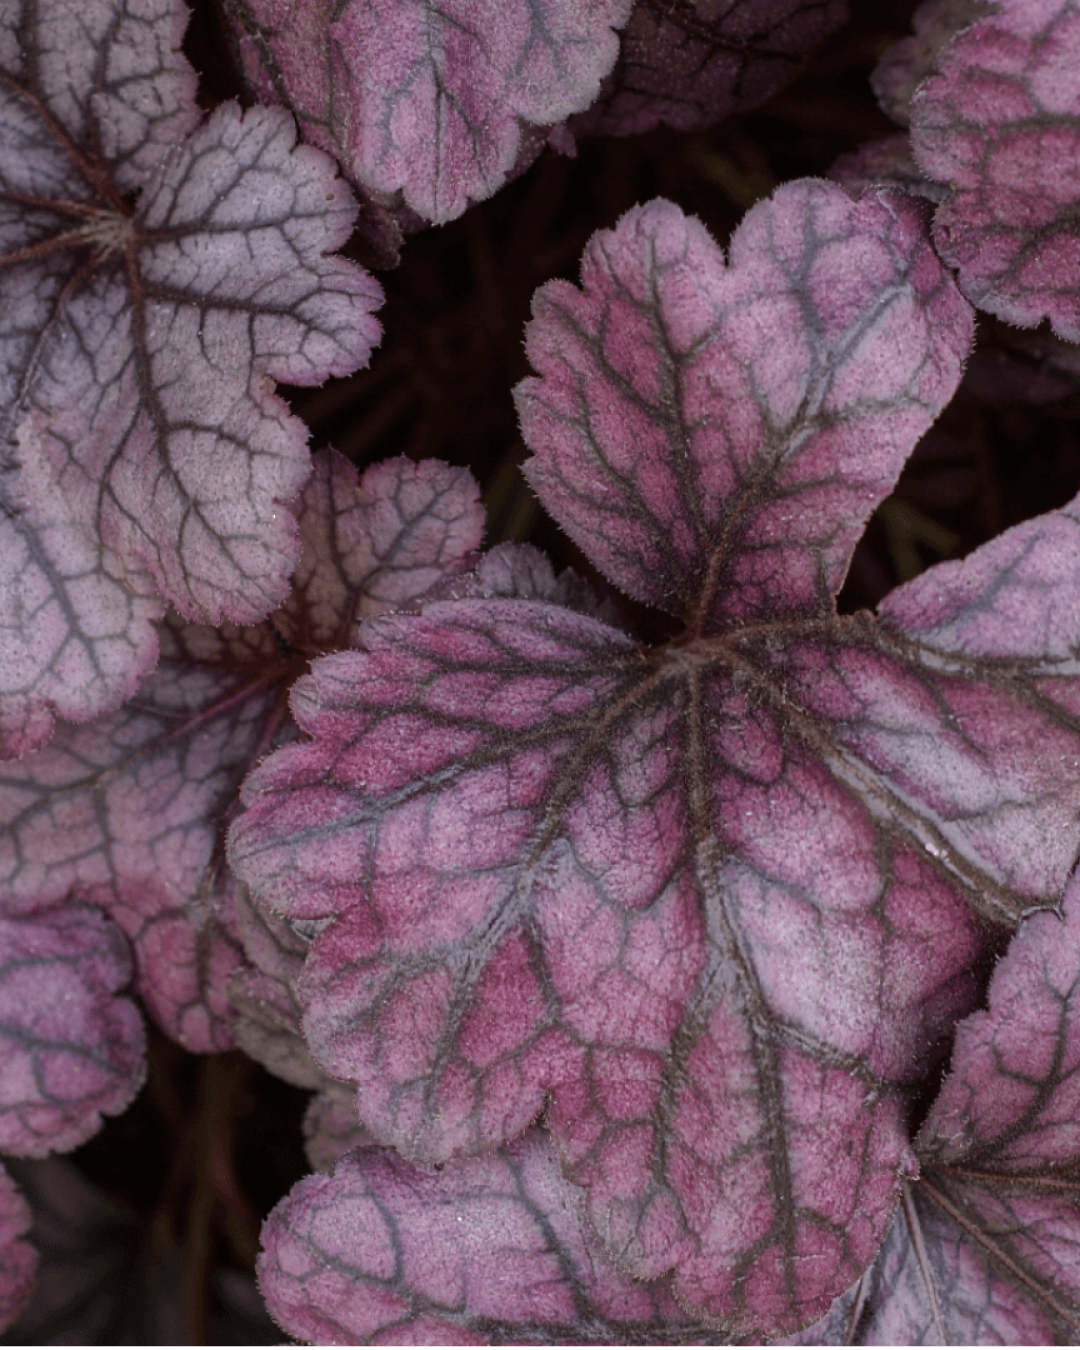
(632, 930)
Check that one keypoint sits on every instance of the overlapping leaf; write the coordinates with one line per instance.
(18, 1260)
(987, 1247)
(1000, 126)
(71, 1049)
(130, 811)
(690, 63)
(710, 903)
(157, 276)
(911, 60)
(483, 1252)
(428, 98)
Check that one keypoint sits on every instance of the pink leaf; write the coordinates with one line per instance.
(689, 63)
(999, 125)
(428, 98)
(485, 1251)
(695, 459)
(147, 457)
(710, 904)
(73, 1051)
(331, 1127)
(18, 1260)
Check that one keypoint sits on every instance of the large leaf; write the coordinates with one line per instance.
(689, 63)
(158, 276)
(1000, 126)
(18, 1260)
(485, 1251)
(131, 809)
(428, 98)
(72, 1049)
(710, 902)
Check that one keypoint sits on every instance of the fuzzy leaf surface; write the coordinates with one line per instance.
(72, 1050)
(1000, 126)
(709, 903)
(428, 99)
(18, 1260)
(986, 1249)
(913, 59)
(486, 1251)
(158, 276)
(690, 63)
(130, 810)
(704, 466)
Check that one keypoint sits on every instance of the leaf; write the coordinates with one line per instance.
(18, 1260)
(911, 60)
(987, 1249)
(431, 99)
(775, 438)
(131, 810)
(999, 125)
(160, 275)
(693, 62)
(708, 903)
(73, 1051)
(486, 1251)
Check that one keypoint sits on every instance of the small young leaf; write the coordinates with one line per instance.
(332, 1128)
(689, 63)
(428, 98)
(72, 1050)
(18, 1260)
(147, 458)
(1000, 126)
(485, 1251)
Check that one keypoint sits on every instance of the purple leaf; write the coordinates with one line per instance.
(710, 903)
(160, 275)
(73, 1051)
(689, 63)
(485, 1251)
(987, 1247)
(999, 125)
(911, 60)
(887, 162)
(131, 809)
(696, 460)
(18, 1260)
(430, 99)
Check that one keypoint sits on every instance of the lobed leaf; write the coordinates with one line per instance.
(158, 276)
(73, 1050)
(710, 904)
(999, 125)
(429, 99)
(486, 1251)
(18, 1260)
(693, 62)
(695, 459)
